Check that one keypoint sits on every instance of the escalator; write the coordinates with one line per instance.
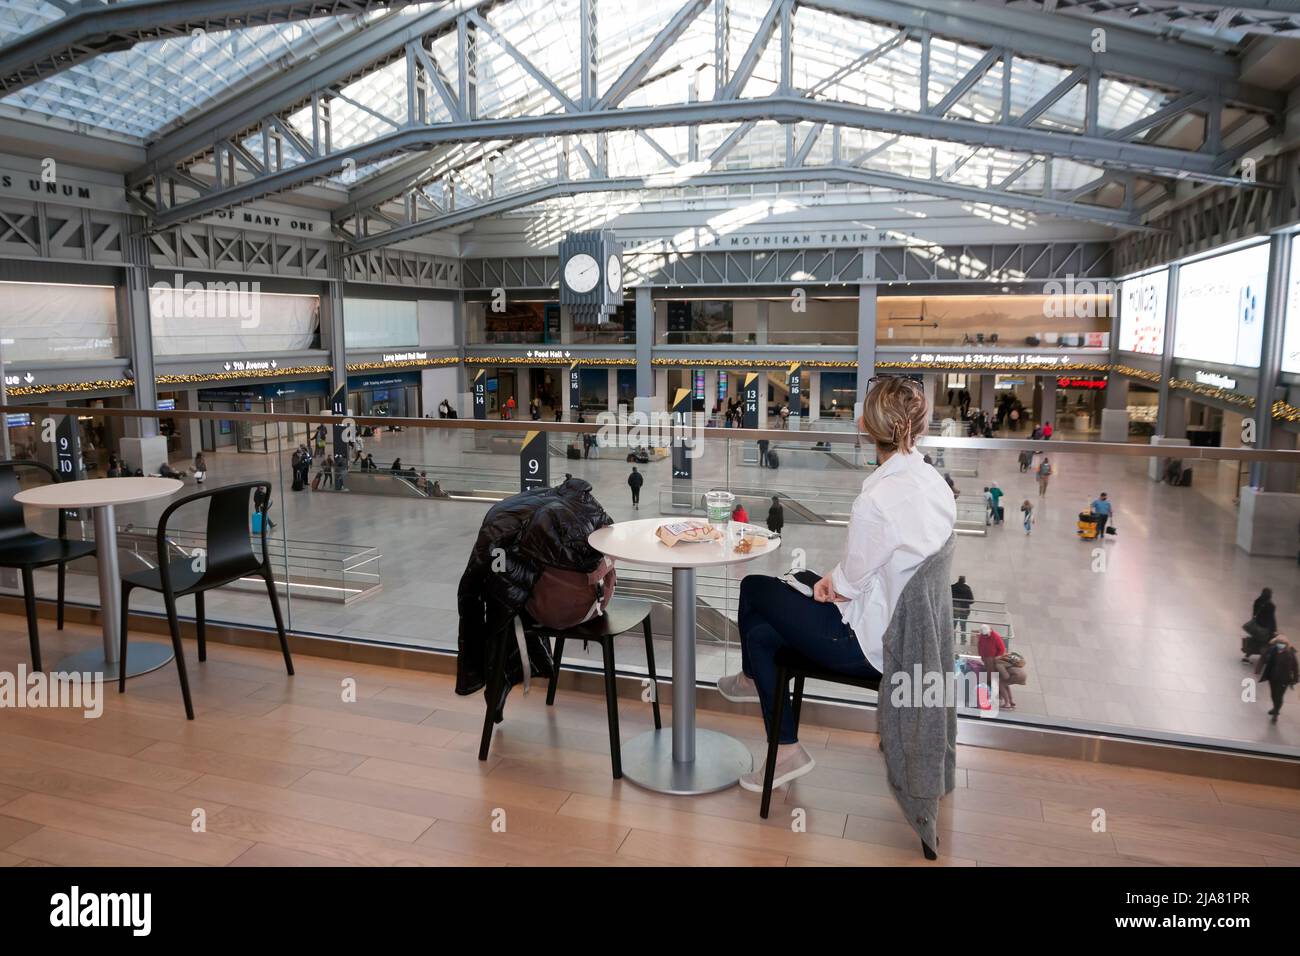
(794, 507)
(714, 623)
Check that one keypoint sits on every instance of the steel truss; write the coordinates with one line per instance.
(58, 233)
(1011, 262)
(1215, 217)
(1274, 17)
(209, 164)
(223, 249)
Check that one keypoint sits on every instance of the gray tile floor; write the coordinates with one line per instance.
(1144, 638)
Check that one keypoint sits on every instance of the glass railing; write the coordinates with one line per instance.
(1139, 635)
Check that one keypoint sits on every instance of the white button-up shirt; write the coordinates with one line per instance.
(904, 514)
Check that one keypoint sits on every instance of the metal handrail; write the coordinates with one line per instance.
(1055, 446)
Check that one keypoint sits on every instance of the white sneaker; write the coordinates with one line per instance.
(789, 768)
(738, 688)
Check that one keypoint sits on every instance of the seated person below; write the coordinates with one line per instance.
(904, 514)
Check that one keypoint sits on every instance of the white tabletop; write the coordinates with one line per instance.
(98, 492)
(635, 542)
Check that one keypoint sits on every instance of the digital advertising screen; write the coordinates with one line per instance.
(1142, 303)
(1220, 316)
(1291, 331)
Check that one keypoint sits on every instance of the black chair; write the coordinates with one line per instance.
(791, 664)
(228, 557)
(619, 618)
(26, 550)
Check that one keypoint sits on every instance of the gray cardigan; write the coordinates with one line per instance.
(919, 741)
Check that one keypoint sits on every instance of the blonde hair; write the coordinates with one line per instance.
(895, 413)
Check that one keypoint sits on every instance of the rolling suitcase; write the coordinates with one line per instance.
(773, 461)
(1185, 479)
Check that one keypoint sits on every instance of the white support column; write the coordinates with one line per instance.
(647, 382)
(866, 342)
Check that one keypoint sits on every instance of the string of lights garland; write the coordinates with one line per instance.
(200, 377)
(1285, 411)
(999, 366)
(1138, 373)
(1208, 391)
(738, 363)
(99, 385)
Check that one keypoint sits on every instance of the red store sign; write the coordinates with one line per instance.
(1096, 384)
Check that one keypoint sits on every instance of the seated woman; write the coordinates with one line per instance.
(904, 514)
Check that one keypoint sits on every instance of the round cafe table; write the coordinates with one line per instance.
(103, 494)
(691, 761)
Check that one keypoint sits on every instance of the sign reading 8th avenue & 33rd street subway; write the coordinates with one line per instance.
(993, 359)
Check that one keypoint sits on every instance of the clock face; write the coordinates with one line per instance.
(582, 273)
(614, 274)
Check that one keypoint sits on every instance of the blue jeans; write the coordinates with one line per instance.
(774, 615)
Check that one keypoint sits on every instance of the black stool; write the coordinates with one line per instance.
(619, 618)
(790, 663)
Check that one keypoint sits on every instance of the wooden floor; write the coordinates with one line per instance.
(288, 774)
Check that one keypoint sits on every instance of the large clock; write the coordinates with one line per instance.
(581, 273)
(591, 275)
(614, 275)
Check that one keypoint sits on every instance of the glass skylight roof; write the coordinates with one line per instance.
(143, 91)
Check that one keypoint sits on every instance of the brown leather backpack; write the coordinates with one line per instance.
(563, 599)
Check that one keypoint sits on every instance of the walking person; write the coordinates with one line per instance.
(635, 481)
(1027, 512)
(996, 494)
(1101, 509)
(775, 516)
(262, 507)
(200, 468)
(962, 598)
(1047, 431)
(763, 445)
(1044, 476)
(1262, 626)
(1278, 668)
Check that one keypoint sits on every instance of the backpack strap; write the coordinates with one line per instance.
(524, 662)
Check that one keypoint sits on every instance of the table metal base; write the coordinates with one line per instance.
(719, 762)
(141, 659)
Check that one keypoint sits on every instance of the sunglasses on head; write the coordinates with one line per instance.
(896, 378)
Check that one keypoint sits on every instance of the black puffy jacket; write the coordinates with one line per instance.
(518, 538)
